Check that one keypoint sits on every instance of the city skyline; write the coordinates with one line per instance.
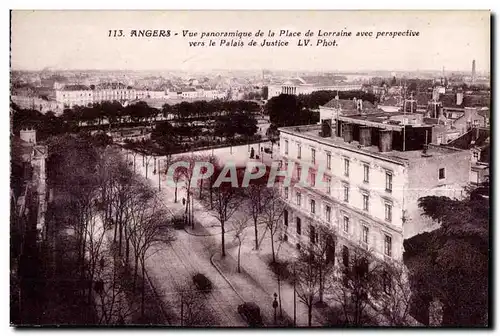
(444, 41)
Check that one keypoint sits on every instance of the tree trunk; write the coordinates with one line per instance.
(223, 239)
(272, 246)
(256, 234)
(175, 193)
(309, 314)
(239, 253)
(136, 269)
(143, 288)
(279, 294)
(321, 284)
(120, 240)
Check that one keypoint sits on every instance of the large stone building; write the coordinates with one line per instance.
(375, 168)
(307, 85)
(82, 95)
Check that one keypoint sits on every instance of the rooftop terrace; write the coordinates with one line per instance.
(312, 132)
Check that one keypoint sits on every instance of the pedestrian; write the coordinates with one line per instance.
(183, 201)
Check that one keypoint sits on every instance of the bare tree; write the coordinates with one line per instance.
(272, 215)
(323, 249)
(392, 297)
(255, 194)
(111, 304)
(194, 308)
(239, 235)
(307, 281)
(356, 279)
(148, 227)
(226, 201)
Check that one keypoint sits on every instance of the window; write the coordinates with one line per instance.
(346, 167)
(366, 173)
(298, 198)
(345, 256)
(476, 155)
(298, 225)
(286, 192)
(328, 214)
(312, 234)
(388, 181)
(364, 234)
(388, 245)
(313, 179)
(346, 193)
(441, 173)
(328, 185)
(388, 212)
(299, 172)
(285, 217)
(346, 224)
(313, 206)
(313, 155)
(328, 161)
(299, 151)
(365, 202)
(286, 147)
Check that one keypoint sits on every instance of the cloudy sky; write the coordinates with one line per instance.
(79, 40)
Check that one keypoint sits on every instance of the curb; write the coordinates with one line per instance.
(225, 278)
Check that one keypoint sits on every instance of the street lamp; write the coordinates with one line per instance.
(275, 305)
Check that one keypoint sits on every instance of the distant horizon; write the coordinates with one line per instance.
(336, 71)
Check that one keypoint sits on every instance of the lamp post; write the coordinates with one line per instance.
(275, 305)
(294, 297)
(159, 175)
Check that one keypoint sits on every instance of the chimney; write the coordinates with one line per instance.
(365, 136)
(347, 132)
(385, 140)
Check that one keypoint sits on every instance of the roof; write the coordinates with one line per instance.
(390, 101)
(112, 86)
(322, 80)
(347, 104)
(312, 132)
(476, 137)
(76, 87)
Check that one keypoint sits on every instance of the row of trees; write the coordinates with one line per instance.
(116, 221)
(209, 109)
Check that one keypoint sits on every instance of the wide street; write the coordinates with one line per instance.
(172, 266)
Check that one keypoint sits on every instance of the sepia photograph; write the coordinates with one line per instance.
(250, 168)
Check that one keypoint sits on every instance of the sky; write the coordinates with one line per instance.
(66, 40)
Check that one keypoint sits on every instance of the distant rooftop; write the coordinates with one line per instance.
(347, 105)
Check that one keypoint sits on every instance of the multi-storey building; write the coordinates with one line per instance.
(373, 173)
(82, 95)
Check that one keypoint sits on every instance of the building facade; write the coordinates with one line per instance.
(370, 187)
(82, 95)
(299, 86)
